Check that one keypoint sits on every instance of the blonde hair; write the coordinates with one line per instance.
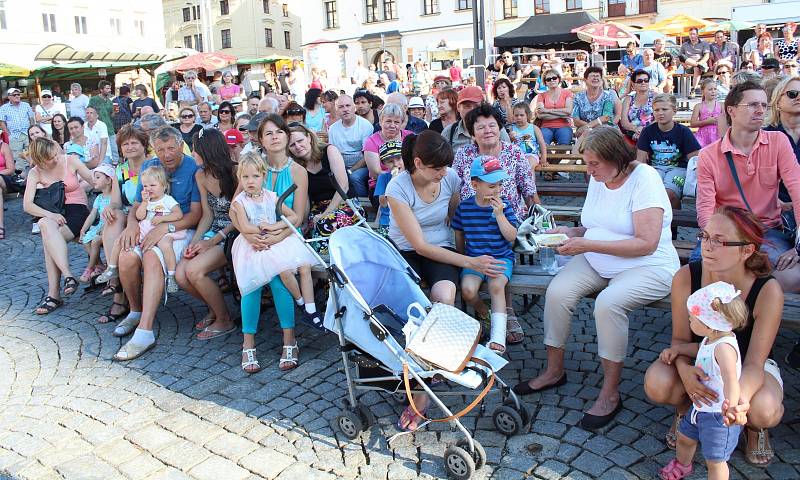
(251, 159)
(158, 174)
(735, 311)
(775, 114)
(42, 149)
(666, 98)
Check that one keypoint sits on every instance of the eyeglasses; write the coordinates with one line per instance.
(704, 237)
(187, 116)
(790, 65)
(641, 80)
(753, 105)
(243, 129)
(47, 96)
(226, 112)
(792, 94)
(723, 72)
(14, 95)
(550, 79)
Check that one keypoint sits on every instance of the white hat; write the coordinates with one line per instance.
(236, 101)
(106, 169)
(12, 91)
(47, 92)
(416, 102)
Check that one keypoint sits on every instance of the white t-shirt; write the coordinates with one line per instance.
(162, 206)
(99, 131)
(431, 216)
(608, 216)
(708, 362)
(54, 108)
(350, 140)
(77, 107)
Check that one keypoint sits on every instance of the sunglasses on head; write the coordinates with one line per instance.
(187, 116)
(792, 94)
(550, 79)
(295, 111)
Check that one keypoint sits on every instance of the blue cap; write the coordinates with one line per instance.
(75, 149)
(487, 169)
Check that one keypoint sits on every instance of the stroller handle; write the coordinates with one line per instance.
(338, 188)
(282, 198)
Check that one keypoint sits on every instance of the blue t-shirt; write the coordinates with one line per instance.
(528, 145)
(182, 184)
(667, 149)
(635, 62)
(482, 235)
(380, 189)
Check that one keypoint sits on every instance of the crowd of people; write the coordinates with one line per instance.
(453, 175)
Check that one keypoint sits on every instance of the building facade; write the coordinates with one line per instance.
(243, 28)
(112, 25)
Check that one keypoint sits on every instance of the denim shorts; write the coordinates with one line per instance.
(507, 269)
(717, 442)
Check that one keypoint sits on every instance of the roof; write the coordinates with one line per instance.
(58, 52)
(71, 71)
(545, 29)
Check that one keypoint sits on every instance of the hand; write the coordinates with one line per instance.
(486, 265)
(257, 241)
(497, 206)
(59, 219)
(109, 215)
(156, 220)
(145, 196)
(692, 378)
(564, 230)
(573, 246)
(316, 218)
(197, 248)
(788, 259)
(668, 355)
(151, 239)
(785, 206)
(734, 415)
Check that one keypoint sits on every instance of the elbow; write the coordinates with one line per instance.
(649, 247)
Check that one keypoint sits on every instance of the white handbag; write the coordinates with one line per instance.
(446, 338)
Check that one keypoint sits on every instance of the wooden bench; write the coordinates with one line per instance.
(562, 189)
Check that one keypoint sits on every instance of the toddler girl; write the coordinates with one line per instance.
(705, 114)
(714, 311)
(527, 135)
(91, 233)
(157, 207)
(253, 211)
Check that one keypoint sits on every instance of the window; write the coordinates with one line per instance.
(285, 9)
(138, 27)
(187, 15)
(198, 42)
(265, 6)
(223, 7)
(389, 9)
(268, 37)
(574, 4)
(371, 14)
(541, 6)
(80, 24)
(114, 23)
(464, 4)
(3, 25)
(429, 7)
(226, 38)
(509, 8)
(187, 41)
(287, 39)
(330, 14)
(49, 22)
(195, 12)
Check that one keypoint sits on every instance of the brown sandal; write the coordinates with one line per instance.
(762, 449)
(671, 438)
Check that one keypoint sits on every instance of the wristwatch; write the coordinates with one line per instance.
(171, 227)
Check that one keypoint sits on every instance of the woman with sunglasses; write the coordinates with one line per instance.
(731, 243)
(225, 115)
(554, 109)
(241, 125)
(186, 125)
(46, 110)
(294, 113)
(722, 75)
(637, 107)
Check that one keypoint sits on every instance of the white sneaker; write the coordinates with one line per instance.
(35, 229)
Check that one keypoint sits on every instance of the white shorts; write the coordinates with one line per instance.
(772, 368)
(177, 246)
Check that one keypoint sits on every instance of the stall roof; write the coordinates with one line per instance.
(70, 71)
(61, 53)
(267, 59)
(544, 30)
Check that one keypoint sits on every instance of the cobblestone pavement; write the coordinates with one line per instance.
(186, 410)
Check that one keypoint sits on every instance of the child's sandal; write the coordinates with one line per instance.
(675, 470)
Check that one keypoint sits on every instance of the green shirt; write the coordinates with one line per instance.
(104, 109)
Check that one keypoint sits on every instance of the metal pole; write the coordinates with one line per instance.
(479, 49)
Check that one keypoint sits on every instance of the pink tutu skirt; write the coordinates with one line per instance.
(255, 269)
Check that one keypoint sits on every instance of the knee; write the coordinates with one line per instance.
(766, 410)
(659, 382)
(469, 292)
(444, 292)
(128, 261)
(192, 273)
(606, 307)
(497, 287)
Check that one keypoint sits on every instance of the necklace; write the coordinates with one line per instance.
(253, 195)
(282, 168)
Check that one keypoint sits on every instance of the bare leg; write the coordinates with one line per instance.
(290, 281)
(130, 276)
(306, 283)
(94, 252)
(685, 450)
(608, 399)
(718, 470)
(54, 240)
(554, 370)
(192, 275)
(165, 245)
(470, 285)
(152, 290)
(53, 276)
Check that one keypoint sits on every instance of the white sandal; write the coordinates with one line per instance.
(250, 353)
(289, 357)
(497, 336)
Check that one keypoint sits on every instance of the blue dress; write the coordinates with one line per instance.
(100, 203)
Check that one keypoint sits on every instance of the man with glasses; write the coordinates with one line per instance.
(631, 58)
(790, 68)
(511, 69)
(759, 160)
(770, 68)
(15, 118)
(694, 57)
(193, 92)
(723, 52)
(457, 134)
(205, 117)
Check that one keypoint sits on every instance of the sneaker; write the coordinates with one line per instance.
(110, 274)
(793, 357)
(172, 284)
(35, 229)
(313, 319)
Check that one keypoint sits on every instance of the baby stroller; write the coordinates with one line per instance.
(371, 289)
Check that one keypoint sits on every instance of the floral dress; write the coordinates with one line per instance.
(515, 189)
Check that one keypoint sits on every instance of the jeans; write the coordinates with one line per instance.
(562, 135)
(359, 181)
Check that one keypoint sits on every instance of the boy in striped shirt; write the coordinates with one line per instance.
(485, 224)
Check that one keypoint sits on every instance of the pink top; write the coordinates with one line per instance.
(560, 102)
(373, 142)
(229, 91)
(771, 160)
(73, 193)
(2, 158)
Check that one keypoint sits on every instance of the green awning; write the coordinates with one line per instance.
(72, 71)
(267, 59)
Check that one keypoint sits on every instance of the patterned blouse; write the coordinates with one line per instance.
(515, 189)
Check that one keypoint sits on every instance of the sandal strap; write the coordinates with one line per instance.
(250, 353)
(288, 354)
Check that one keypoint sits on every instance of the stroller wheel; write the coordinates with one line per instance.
(350, 424)
(478, 456)
(507, 420)
(458, 463)
(523, 411)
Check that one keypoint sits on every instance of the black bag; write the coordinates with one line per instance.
(51, 198)
(15, 183)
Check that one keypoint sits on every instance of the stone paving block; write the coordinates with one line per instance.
(88, 467)
(141, 466)
(600, 445)
(617, 473)
(216, 467)
(551, 470)
(152, 438)
(266, 463)
(298, 470)
(117, 451)
(182, 454)
(592, 464)
(231, 446)
(36, 471)
(169, 474)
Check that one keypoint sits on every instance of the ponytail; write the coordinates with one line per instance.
(430, 147)
(407, 152)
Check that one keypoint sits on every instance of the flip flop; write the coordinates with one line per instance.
(206, 322)
(212, 333)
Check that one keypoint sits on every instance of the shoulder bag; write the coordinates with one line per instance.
(51, 198)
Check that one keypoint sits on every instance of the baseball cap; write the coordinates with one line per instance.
(106, 170)
(233, 137)
(470, 94)
(75, 149)
(392, 148)
(770, 63)
(252, 126)
(487, 169)
(47, 92)
(12, 91)
(236, 101)
(416, 102)
(442, 78)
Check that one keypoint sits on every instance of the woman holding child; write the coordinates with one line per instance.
(731, 243)
(623, 252)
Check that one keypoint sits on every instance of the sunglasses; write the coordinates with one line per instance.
(550, 79)
(187, 116)
(47, 96)
(295, 111)
(243, 129)
(14, 95)
(227, 112)
(792, 94)
(790, 65)
(722, 72)
(641, 80)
